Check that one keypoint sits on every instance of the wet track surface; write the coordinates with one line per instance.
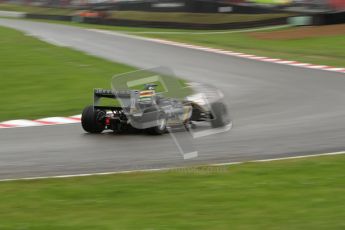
(277, 111)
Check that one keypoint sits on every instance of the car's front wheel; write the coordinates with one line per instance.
(92, 120)
(220, 116)
(161, 127)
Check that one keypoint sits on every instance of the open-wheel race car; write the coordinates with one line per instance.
(153, 111)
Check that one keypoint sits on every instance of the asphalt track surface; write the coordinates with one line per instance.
(278, 111)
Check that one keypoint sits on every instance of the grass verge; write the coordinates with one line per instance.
(36, 9)
(39, 79)
(291, 194)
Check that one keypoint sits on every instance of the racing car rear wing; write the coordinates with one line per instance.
(124, 96)
(108, 93)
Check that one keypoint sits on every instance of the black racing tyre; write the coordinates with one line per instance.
(220, 117)
(92, 120)
(161, 127)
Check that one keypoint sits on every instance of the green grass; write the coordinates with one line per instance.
(35, 9)
(293, 194)
(39, 79)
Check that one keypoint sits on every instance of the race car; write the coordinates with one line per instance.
(151, 111)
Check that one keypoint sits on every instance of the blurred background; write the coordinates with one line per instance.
(308, 12)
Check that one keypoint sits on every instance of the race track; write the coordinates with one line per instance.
(278, 110)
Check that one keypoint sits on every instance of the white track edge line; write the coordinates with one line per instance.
(168, 169)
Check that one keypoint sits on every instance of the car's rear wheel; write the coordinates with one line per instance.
(220, 116)
(92, 120)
